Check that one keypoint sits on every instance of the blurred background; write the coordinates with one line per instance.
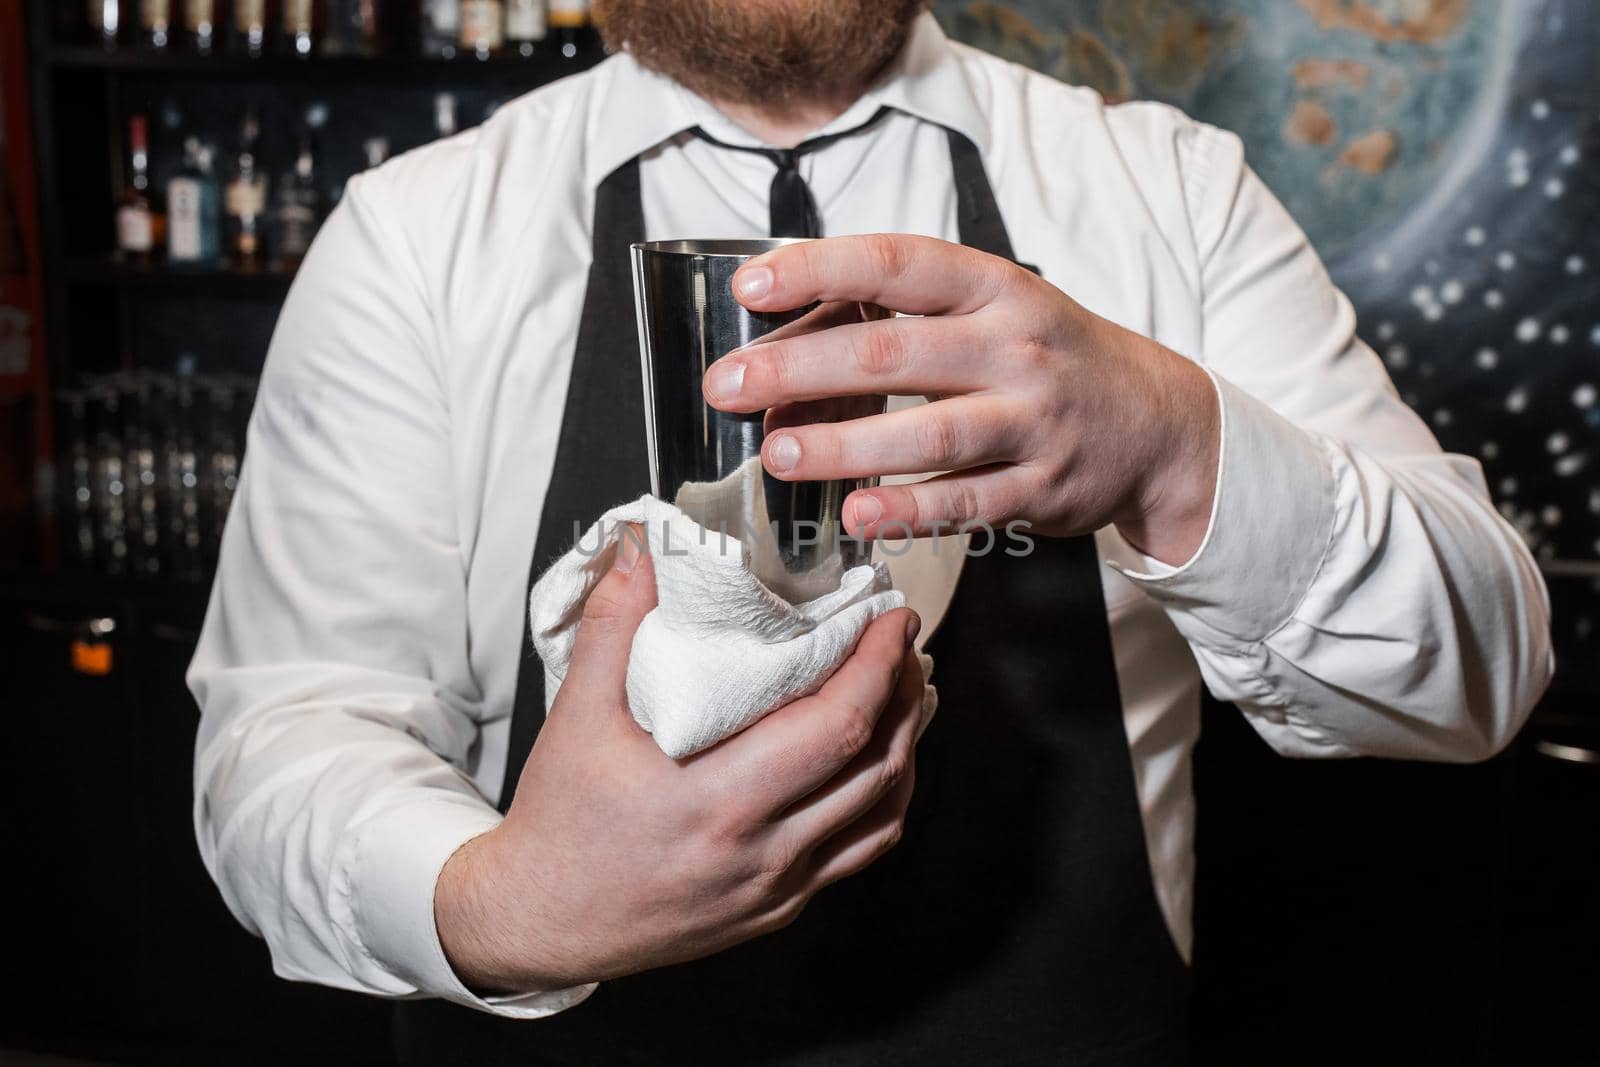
(163, 167)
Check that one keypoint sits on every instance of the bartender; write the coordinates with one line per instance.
(1125, 342)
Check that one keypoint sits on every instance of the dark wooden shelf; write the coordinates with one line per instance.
(533, 71)
(172, 280)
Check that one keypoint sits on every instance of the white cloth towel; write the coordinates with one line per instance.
(722, 649)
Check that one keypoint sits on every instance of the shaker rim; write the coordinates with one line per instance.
(718, 248)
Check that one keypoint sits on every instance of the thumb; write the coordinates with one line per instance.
(611, 616)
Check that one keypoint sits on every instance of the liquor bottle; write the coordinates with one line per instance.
(300, 27)
(570, 20)
(445, 123)
(194, 218)
(250, 27)
(483, 27)
(247, 198)
(376, 150)
(526, 27)
(105, 22)
(142, 474)
(441, 28)
(155, 23)
(355, 28)
(299, 206)
(136, 228)
(200, 25)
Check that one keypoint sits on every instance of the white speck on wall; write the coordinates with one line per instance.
(1433, 312)
(1528, 331)
(1452, 291)
(1508, 487)
(1594, 336)
(1443, 417)
(1567, 466)
(1476, 237)
(1551, 515)
(1386, 331)
(1557, 443)
(1540, 110)
(1575, 265)
(1489, 450)
(1422, 295)
(1560, 335)
(1488, 358)
(1555, 188)
(1570, 155)
(1518, 159)
(1383, 263)
(1594, 501)
(1585, 395)
(1506, 261)
(1494, 300)
(1518, 178)
(1517, 401)
(1398, 356)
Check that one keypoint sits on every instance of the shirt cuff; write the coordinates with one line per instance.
(393, 871)
(1271, 524)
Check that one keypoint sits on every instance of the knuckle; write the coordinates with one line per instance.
(881, 352)
(787, 914)
(892, 771)
(855, 734)
(888, 255)
(963, 500)
(937, 439)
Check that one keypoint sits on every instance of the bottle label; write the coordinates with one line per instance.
(199, 15)
(183, 220)
(445, 17)
(569, 14)
(525, 20)
(247, 198)
(155, 14)
(482, 25)
(249, 15)
(297, 224)
(135, 229)
(297, 17)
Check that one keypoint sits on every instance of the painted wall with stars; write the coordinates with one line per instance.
(1444, 156)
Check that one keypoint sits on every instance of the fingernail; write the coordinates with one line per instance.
(913, 628)
(628, 550)
(754, 282)
(868, 511)
(725, 379)
(783, 454)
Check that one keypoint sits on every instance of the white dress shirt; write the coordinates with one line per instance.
(1356, 593)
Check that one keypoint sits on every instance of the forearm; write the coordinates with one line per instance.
(1354, 605)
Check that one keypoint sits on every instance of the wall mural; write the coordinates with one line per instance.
(1444, 156)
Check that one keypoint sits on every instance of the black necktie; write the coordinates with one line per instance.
(794, 212)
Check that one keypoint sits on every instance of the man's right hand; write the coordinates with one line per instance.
(616, 859)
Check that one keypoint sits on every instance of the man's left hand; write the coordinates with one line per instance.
(1040, 410)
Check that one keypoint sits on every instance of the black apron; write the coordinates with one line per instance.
(1016, 922)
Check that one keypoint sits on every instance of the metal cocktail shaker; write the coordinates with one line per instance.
(708, 462)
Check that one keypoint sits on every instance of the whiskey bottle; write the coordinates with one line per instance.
(570, 21)
(200, 25)
(355, 28)
(483, 27)
(247, 198)
(299, 207)
(250, 27)
(526, 27)
(194, 223)
(300, 26)
(136, 228)
(155, 23)
(445, 122)
(441, 28)
(105, 22)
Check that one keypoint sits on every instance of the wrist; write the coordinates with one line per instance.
(484, 928)
(1169, 511)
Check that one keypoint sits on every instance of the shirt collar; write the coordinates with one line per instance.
(640, 109)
